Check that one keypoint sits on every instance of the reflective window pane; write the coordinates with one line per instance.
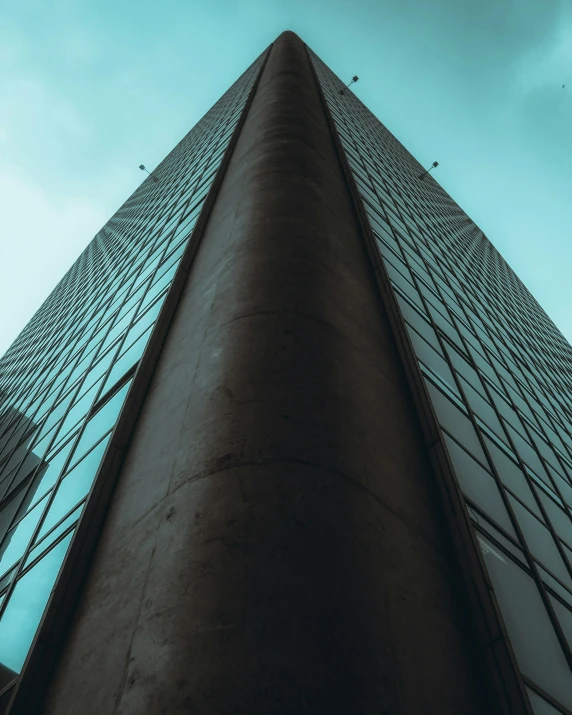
(101, 422)
(540, 706)
(9, 510)
(79, 410)
(24, 611)
(511, 475)
(564, 616)
(540, 542)
(16, 540)
(558, 518)
(537, 649)
(478, 485)
(74, 486)
(43, 543)
(128, 358)
(455, 422)
(50, 471)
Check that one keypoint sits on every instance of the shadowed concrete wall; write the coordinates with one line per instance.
(275, 542)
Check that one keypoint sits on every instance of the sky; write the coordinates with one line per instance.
(90, 90)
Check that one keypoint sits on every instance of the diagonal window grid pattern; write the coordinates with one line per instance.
(65, 379)
(497, 372)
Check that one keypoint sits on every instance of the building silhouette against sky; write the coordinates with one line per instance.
(290, 436)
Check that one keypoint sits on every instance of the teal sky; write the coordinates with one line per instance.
(90, 90)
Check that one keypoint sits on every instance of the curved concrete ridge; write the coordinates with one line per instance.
(275, 542)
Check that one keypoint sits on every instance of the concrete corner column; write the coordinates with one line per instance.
(275, 543)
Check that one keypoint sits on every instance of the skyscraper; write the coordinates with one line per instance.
(290, 436)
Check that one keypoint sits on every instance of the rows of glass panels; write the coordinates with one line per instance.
(65, 379)
(497, 371)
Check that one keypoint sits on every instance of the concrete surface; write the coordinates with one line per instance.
(275, 543)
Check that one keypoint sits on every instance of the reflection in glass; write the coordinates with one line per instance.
(49, 472)
(118, 328)
(453, 420)
(150, 316)
(74, 486)
(421, 326)
(540, 706)
(9, 510)
(434, 362)
(540, 542)
(527, 453)
(8, 577)
(171, 260)
(162, 282)
(78, 411)
(536, 647)
(564, 616)
(22, 616)
(481, 407)
(100, 368)
(511, 475)
(101, 422)
(478, 485)
(16, 540)
(17, 456)
(49, 368)
(126, 361)
(558, 518)
(55, 415)
(45, 542)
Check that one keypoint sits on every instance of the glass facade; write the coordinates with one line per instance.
(494, 367)
(64, 381)
(497, 372)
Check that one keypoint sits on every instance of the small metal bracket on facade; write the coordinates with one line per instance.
(434, 165)
(343, 89)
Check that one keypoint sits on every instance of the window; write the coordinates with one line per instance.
(455, 422)
(478, 485)
(531, 634)
(540, 542)
(22, 616)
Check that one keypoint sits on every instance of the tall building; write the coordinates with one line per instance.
(289, 437)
